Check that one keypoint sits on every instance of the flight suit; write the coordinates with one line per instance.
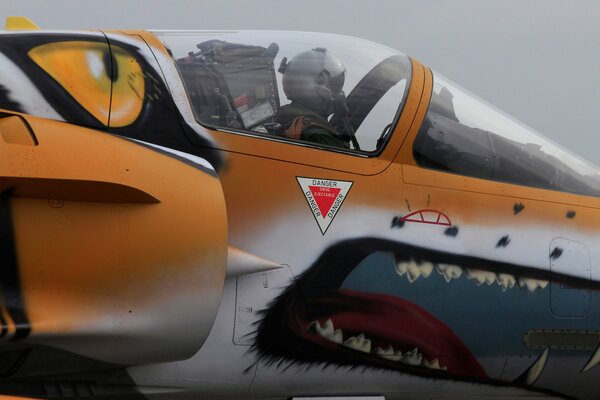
(314, 127)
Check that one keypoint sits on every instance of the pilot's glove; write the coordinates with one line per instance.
(295, 129)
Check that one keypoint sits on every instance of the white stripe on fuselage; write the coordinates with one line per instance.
(529, 245)
(22, 91)
(200, 162)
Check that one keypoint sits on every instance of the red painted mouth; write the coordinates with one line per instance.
(393, 328)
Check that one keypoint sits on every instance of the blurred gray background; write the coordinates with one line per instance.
(537, 60)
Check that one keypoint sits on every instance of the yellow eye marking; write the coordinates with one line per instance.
(128, 91)
(83, 69)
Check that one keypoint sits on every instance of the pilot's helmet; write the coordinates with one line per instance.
(313, 78)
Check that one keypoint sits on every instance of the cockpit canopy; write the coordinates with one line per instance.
(464, 135)
(235, 82)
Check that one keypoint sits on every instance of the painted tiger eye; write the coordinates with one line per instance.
(107, 82)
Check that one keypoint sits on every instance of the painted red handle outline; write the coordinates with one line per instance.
(417, 216)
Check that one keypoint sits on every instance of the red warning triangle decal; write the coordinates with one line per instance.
(325, 198)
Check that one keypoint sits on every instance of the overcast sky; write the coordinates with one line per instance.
(537, 60)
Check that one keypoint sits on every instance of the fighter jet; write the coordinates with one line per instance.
(263, 214)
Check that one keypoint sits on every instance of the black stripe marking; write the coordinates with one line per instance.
(9, 270)
(166, 151)
(3, 326)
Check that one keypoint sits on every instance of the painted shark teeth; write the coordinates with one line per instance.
(327, 331)
(449, 271)
(413, 269)
(363, 344)
(433, 364)
(532, 284)
(481, 276)
(359, 343)
(534, 372)
(388, 353)
(506, 281)
(412, 357)
(593, 361)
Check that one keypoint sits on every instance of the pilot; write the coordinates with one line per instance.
(312, 80)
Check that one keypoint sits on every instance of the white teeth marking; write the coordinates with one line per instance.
(506, 281)
(593, 361)
(426, 269)
(359, 343)
(449, 271)
(327, 327)
(412, 357)
(338, 336)
(388, 353)
(433, 364)
(362, 344)
(532, 284)
(481, 276)
(536, 369)
(326, 331)
(414, 270)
